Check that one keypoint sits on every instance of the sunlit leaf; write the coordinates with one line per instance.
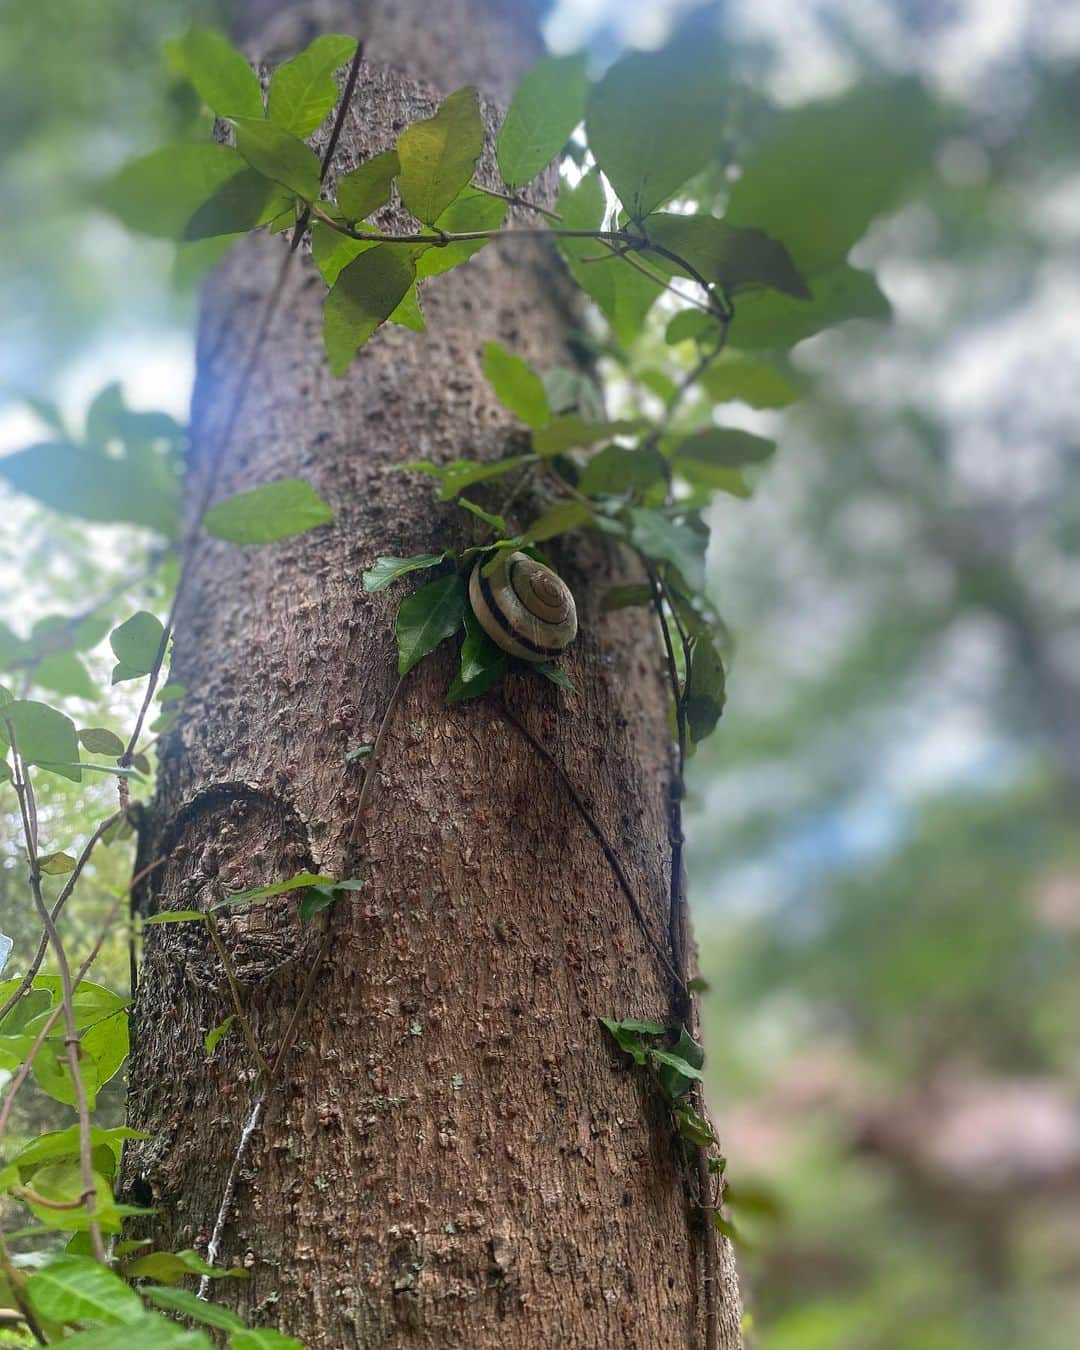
(276, 154)
(135, 645)
(268, 513)
(438, 155)
(547, 105)
(367, 187)
(303, 90)
(429, 617)
(517, 386)
(221, 75)
(364, 295)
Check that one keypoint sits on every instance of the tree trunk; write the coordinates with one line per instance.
(455, 1154)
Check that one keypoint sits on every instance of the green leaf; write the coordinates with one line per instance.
(168, 693)
(568, 430)
(43, 735)
(56, 864)
(615, 470)
(61, 1183)
(739, 379)
(268, 513)
(462, 473)
(150, 1332)
(547, 105)
(176, 916)
(63, 673)
(719, 449)
(694, 1127)
(557, 676)
(303, 91)
(258, 1338)
(470, 210)
(497, 522)
(184, 1302)
(624, 597)
(437, 156)
(159, 193)
(258, 893)
(135, 645)
(627, 1035)
(315, 901)
(429, 617)
(78, 1289)
(517, 386)
(826, 169)
(731, 257)
(771, 320)
(706, 689)
(386, 570)
(277, 155)
(364, 295)
(482, 664)
(209, 1044)
(559, 519)
(367, 187)
(57, 1144)
(681, 1065)
(242, 203)
(656, 118)
(101, 741)
(665, 540)
(692, 324)
(221, 75)
(623, 294)
(79, 481)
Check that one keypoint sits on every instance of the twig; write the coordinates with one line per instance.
(516, 199)
(331, 144)
(234, 990)
(598, 834)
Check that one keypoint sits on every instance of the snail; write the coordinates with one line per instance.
(523, 606)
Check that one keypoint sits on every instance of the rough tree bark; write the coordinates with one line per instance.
(455, 1156)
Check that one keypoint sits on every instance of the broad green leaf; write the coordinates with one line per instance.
(656, 118)
(665, 540)
(692, 325)
(209, 1045)
(367, 187)
(559, 519)
(150, 1332)
(258, 893)
(101, 741)
(470, 210)
(826, 169)
(437, 156)
(625, 597)
(719, 449)
(175, 916)
(547, 105)
(623, 294)
(78, 1289)
(694, 1127)
(184, 1302)
(739, 379)
(56, 864)
(63, 673)
(221, 75)
(386, 570)
(259, 1338)
(482, 664)
(43, 735)
(706, 688)
(135, 645)
(168, 1267)
(315, 901)
(615, 470)
(770, 320)
(557, 676)
(243, 202)
(568, 430)
(277, 155)
(61, 1183)
(681, 1065)
(159, 193)
(429, 617)
(268, 513)
(303, 91)
(517, 386)
(364, 295)
(497, 523)
(726, 255)
(59, 1144)
(332, 252)
(462, 473)
(85, 483)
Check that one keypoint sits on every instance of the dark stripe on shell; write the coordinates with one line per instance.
(507, 627)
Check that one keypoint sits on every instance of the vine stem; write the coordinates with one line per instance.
(234, 991)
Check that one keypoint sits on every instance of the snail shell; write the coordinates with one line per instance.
(524, 607)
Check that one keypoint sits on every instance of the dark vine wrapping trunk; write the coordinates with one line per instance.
(455, 1155)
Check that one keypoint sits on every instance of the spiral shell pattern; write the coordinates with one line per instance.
(524, 607)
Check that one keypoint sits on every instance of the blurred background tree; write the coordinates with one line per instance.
(883, 860)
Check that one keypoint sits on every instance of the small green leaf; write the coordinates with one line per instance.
(184, 1302)
(43, 735)
(259, 1338)
(221, 75)
(482, 664)
(135, 645)
(159, 193)
(568, 430)
(303, 91)
(739, 379)
(721, 448)
(624, 597)
(56, 864)
(557, 676)
(168, 693)
(258, 893)
(78, 1289)
(680, 1066)
(364, 295)
(731, 257)
(209, 1044)
(470, 210)
(615, 470)
(665, 540)
(694, 1127)
(517, 386)
(176, 916)
(429, 617)
(242, 203)
(367, 187)
(559, 519)
(385, 571)
(268, 513)
(547, 105)
(101, 741)
(656, 118)
(462, 473)
(767, 319)
(437, 156)
(277, 155)
(497, 523)
(706, 688)
(315, 901)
